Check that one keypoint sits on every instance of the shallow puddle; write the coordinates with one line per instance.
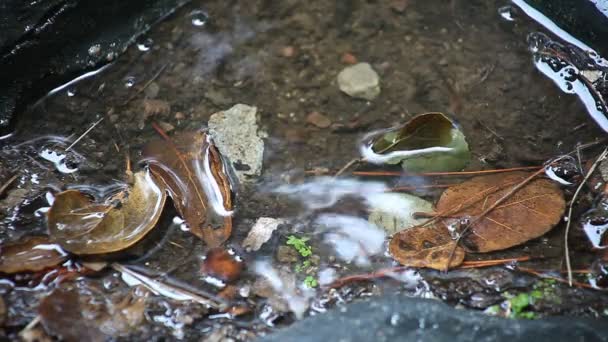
(468, 59)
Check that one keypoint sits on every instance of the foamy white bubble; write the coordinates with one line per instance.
(354, 239)
(297, 301)
(323, 192)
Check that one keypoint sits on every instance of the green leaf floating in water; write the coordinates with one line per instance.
(429, 142)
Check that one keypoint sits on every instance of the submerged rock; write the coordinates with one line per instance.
(237, 136)
(399, 318)
(359, 81)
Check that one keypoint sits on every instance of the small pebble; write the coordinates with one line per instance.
(359, 81)
(319, 120)
(156, 107)
(288, 51)
(349, 58)
(152, 90)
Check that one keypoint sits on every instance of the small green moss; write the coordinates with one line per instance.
(300, 245)
(311, 282)
(537, 294)
(519, 303)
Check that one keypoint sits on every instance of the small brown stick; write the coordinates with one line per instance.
(84, 134)
(454, 173)
(569, 222)
(381, 273)
(489, 209)
(8, 183)
(348, 165)
(561, 280)
(386, 272)
(408, 188)
(488, 263)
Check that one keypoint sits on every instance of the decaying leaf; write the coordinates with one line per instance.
(74, 316)
(83, 227)
(30, 255)
(221, 264)
(527, 214)
(429, 247)
(395, 212)
(428, 142)
(261, 232)
(192, 170)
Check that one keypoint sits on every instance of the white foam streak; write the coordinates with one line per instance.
(297, 303)
(354, 239)
(324, 192)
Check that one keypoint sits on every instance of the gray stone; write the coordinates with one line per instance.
(237, 136)
(400, 318)
(359, 81)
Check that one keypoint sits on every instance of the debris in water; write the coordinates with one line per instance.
(192, 170)
(261, 232)
(359, 81)
(237, 136)
(354, 238)
(82, 226)
(428, 142)
(395, 212)
(527, 214)
(31, 254)
(223, 265)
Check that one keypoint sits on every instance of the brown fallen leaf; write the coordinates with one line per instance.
(429, 247)
(222, 265)
(527, 214)
(32, 254)
(75, 316)
(191, 169)
(83, 227)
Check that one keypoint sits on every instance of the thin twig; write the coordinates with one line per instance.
(488, 263)
(569, 222)
(416, 187)
(8, 183)
(452, 173)
(348, 165)
(561, 280)
(140, 90)
(83, 134)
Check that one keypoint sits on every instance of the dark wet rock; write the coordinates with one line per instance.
(47, 43)
(399, 318)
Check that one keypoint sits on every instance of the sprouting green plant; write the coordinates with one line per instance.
(300, 245)
(311, 282)
(306, 264)
(305, 250)
(519, 304)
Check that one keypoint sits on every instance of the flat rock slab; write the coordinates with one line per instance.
(399, 318)
(359, 81)
(235, 132)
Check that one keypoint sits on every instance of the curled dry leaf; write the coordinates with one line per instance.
(429, 247)
(428, 142)
(74, 316)
(83, 227)
(527, 214)
(30, 255)
(191, 169)
(223, 265)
